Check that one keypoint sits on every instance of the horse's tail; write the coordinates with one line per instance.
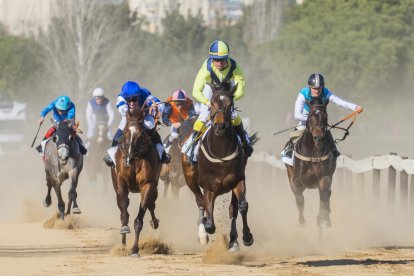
(254, 137)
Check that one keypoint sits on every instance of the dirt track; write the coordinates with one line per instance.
(362, 240)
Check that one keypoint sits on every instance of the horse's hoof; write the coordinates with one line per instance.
(155, 223)
(248, 239)
(125, 230)
(234, 247)
(202, 234)
(76, 210)
(324, 224)
(135, 255)
(47, 203)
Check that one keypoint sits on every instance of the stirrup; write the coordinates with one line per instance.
(165, 158)
(39, 148)
(108, 161)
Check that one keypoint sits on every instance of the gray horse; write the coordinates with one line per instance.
(63, 160)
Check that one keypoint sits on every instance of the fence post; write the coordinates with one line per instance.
(403, 189)
(412, 194)
(392, 175)
(376, 184)
(360, 182)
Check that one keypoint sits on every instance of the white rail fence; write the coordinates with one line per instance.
(382, 179)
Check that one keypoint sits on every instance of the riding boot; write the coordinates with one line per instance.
(288, 150)
(156, 140)
(332, 144)
(193, 146)
(248, 149)
(115, 141)
(82, 148)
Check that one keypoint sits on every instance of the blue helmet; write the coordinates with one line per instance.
(130, 89)
(219, 50)
(63, 103)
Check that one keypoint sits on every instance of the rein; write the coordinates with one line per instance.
(346, 130)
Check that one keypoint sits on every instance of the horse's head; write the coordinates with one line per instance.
(221, 107)
(64, 136)
(100, 132)
(136, 141)
(317, 121)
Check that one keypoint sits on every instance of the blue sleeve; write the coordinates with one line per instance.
(166, 114)
(71, 111)
(191, 111)
(47, 109)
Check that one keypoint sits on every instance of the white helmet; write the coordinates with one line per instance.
(98, 92)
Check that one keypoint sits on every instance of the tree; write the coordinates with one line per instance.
(85, 44)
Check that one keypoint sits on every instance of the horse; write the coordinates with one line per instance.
(220, 169)
(137, 170)
(172, 173)
(63, 160)
(314, 164)
(97, 146)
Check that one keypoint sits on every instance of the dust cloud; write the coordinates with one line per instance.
(359, 219)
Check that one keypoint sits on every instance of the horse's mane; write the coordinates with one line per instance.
(317, 101)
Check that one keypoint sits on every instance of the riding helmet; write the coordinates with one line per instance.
(219, 50)
(62, 103)
(316, 80)
(130, 89)
(98, 92)
(180, 95)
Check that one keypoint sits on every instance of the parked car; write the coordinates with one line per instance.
(12, 125)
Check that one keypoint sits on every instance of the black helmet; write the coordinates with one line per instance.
(316, 81)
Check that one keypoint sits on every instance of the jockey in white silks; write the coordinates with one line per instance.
(99, 110)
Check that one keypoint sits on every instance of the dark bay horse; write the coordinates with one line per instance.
(63, 160)
(137, 171)
(314, 164)
(172, 173)
(98, 145)
(220, 169)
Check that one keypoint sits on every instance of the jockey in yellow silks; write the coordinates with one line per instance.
(215, 69)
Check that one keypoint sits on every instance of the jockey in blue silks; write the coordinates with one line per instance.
(63, 109)
(132, 93)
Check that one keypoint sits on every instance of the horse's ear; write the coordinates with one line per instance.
(213, 87)
(55, 138)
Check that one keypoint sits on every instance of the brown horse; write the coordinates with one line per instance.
(314, 163)
(172, 173)
(220, 169)
(137, 171)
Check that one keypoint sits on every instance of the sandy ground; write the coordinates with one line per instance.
(367, 237)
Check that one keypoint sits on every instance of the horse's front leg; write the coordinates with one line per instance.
(208, 220)
(122, 201)
(73, 195)
(48, 200)
(233, 212)
(297, 189)
(146, 201)
(61, 203)
(240, 193)
(323, 218)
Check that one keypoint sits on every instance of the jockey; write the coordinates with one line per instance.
(178, 108)
(130, 95)
(99, 110)
(213, 71)
(63, 109)
(315, 88)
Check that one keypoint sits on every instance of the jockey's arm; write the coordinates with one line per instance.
(89, 116)
(239, 81)
(166, 114)
(300, 112)
(47, 109)
(202, 78)
(340, 102)
(71, 112)
(122, 106)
